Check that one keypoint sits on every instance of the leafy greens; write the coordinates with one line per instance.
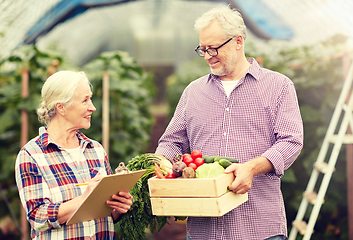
(134, 223)
(209, 170)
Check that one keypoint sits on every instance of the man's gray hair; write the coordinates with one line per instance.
(230, 20)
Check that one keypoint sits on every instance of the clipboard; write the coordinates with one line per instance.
(94, 206)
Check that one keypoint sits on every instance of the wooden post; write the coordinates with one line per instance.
(105, 113)
(349, 158)
(24, 140)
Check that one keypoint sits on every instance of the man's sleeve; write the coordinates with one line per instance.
(174, 140)
(288, 129)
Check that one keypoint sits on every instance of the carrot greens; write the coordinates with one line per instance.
(133, 224)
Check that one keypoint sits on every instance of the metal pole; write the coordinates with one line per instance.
(105, 113)
(349, 158)
(24, 140)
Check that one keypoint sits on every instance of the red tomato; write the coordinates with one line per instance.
(170, 175)
(196, 154)
(186, 155)
(199, 161)
(193, 166)
(187, 160)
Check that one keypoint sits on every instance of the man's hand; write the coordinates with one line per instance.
(245, 172)
(243, 177)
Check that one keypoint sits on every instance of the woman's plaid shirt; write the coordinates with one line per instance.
(46, 177)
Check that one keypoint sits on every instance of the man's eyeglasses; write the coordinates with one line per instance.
(211, 51)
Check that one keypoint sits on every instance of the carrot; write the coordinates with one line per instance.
(158, 171)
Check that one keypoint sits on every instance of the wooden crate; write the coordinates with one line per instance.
(206, 197)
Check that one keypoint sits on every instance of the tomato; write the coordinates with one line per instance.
(187, 160)
(193, 166)
(186, 155)
(196, 154)
(199, 161)
(170, 175)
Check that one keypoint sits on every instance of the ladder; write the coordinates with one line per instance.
(344, 107)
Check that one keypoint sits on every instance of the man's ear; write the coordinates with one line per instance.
(239, 40)
(60, 108)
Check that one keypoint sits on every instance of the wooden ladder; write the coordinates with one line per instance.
(336, 135)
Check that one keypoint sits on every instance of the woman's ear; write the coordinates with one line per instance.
(60, 108)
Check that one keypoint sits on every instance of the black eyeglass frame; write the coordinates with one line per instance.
(199, 51)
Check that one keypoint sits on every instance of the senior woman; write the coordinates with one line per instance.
(49, 166)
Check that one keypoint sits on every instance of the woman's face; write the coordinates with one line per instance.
(79, 112)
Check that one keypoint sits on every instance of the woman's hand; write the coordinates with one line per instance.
(91, 184)
(121, 203)
(66, 209)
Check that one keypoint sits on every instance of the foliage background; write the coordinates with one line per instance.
(318, 80)
(131, 90)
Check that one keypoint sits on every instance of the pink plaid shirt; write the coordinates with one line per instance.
(46, 177)
(261, 117)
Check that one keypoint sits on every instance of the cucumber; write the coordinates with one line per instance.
(224, 162)
(209, 159)
(233, 160)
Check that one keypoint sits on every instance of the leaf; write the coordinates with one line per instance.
(209, 170)
(289, 176)
(8, 166)
(309, 114)
(25, 53)
(11, 90)
(31, 103)
(134, 223)
(8, 118)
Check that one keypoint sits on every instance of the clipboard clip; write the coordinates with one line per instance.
(121, 169)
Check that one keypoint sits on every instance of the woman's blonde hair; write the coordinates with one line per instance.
(58, 88)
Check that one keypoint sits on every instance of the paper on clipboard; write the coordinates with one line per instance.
(94, 206)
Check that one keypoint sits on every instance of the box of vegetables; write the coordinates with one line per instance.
(195, 185)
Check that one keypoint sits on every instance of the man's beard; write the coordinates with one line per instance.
(219, 72)
(224, 69)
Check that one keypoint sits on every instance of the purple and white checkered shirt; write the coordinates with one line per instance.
(261, 117)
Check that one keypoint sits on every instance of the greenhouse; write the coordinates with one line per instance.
(139, 57)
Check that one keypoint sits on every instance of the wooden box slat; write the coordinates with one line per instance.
(207, 197)
(197, 207)
(197, 187)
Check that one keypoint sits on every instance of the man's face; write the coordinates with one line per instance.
(224, 63)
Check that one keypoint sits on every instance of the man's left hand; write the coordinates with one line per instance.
(243, 177)
(245, 172)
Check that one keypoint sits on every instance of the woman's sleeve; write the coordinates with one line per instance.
(34, 194)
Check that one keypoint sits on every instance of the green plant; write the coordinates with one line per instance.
(318, 80)
(131, 91)
(177, 82)
(39, 65)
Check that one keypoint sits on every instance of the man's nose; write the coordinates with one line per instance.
(207, 55)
